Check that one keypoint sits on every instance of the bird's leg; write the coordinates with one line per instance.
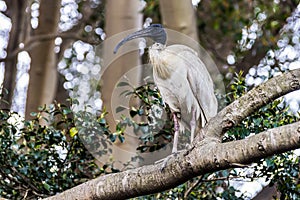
(175, 142)
(176, 133)
(193, 125)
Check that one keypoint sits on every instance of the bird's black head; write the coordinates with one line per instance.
(155, 31)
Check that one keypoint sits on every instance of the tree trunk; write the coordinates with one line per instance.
(120, 16)
(17, 15)
(62, 94)
(43, 70)
(179, 15)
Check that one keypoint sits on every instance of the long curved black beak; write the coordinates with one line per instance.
(155, 31)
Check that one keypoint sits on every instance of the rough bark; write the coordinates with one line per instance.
(120, 16)
(43, 70)
(204, 156)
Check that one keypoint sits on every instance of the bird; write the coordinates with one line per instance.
(182, 79)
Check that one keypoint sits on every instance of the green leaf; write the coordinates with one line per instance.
(75, 102)
(121, 138)
(142, 148)
(112, 137)
(133, 113)
(46, 186)
(66, 111)
(102, 121)
(121, 84)
(42, 108)
(33, 114)
(73, 131)
(120, 109)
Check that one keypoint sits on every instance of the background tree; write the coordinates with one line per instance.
(43, 71)
(120, 16)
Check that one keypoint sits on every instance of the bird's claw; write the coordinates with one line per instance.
(188, 146)
(166, 160)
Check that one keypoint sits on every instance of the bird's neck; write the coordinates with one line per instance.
(157, 59)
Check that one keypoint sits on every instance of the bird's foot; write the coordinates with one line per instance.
(188, 146)
(165, 160)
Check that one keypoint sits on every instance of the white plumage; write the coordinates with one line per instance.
(182, 79)
(184, 83)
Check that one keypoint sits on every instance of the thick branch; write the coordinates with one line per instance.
(250, 102)
(208, 156)
(205, 156)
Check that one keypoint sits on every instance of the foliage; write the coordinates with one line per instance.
(281, 170)
(41, 160)
(152, 11)
(273, 115)
(221, 22)
(157, 128)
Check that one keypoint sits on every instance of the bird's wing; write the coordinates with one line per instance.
(199, 80)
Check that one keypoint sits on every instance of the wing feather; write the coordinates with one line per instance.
(199, 80)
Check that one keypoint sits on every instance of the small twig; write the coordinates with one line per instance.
(210, 180)
(25, 179)
(239, 165)
(26, 193)
(193, 186)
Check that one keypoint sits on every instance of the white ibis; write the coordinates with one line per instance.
(182, 79)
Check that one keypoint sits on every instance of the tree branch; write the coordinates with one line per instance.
(45, 37)
(186, 194)
(250, 102)
(207, 155)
